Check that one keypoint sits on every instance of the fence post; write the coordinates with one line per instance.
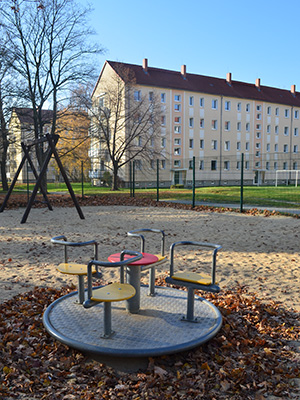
(242, 184)
(157, 180)
(82, 191)
(194, 183)
(133, 177)
(130, 179)
(27, 178)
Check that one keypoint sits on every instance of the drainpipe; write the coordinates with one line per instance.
(221, 141)
(291, 139)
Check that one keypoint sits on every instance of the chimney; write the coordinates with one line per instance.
(257, 83)
(293, 90)
(183, 71)
(228, 78)
(145, 65)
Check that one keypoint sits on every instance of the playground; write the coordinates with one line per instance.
(259, 255)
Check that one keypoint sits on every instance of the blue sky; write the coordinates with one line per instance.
(251, 39)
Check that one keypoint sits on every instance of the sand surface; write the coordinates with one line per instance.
(259, 252)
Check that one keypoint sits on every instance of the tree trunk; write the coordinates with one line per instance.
(114, 185)
(3, 173)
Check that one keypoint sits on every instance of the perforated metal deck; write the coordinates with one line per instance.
(156, 330)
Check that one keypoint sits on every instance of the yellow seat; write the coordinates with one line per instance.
(75, 268)
(193, 277)
(113, 292)
(194, 280)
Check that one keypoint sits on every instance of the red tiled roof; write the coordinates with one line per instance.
(25, 115)
(162, 78)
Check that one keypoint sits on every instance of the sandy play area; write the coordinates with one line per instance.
(259, 252)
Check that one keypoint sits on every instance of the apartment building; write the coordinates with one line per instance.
(214, 120)
(21, 130)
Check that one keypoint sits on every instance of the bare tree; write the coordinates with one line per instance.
(125, 124)
(48, 42)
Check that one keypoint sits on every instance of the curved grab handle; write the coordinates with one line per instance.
(136, 233)
(62, 240)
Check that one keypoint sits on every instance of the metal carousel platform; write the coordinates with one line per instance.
(157, 329)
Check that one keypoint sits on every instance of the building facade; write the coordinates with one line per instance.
(214, 121)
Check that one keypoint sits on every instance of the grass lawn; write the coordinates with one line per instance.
(282, 196)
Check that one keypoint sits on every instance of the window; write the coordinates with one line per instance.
(258, 108)
(177, 163)
(277, 111)
(227, 125)
(296, 114)
(191, 164)
(238, 165)
(137, 95)
(247, 127)
(267, 165)
(213, 165)
(201, 164)
(295, 165)
(295, 131)
(258, 135)
(286, 113)
(214, 124)
(191, 101)
(257, 145)
(202, 123)
(139, 141)
(268, 128)
(258, 127)
(201, 102)
(295, 148)
(285, 164)
(238, 146)
(163, 164)
(177, 141)
(163, 120)
(226, 165)
(239, 106)
(238, 126)
(227, 145)
(257, 153)
(152, 142)
(258, 116)
(177, 120)
(191, 143)
(150, 96)
(177, 97)
(275, 165)
(227, 105)
(286, 131)
(163, 142)
(152, 164)
(201, 144)
(247, 164)
(177, 151)
(269, 110)
(247, 107)
(268, 147)
(276, 130)
(138, 164)
(247, 146)
(191, 122)
(214, 144)
(163, 97)
(177, 129)
(214, 104)
(257, 164)
(285, 148)
(177, 107)
(276, 147)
